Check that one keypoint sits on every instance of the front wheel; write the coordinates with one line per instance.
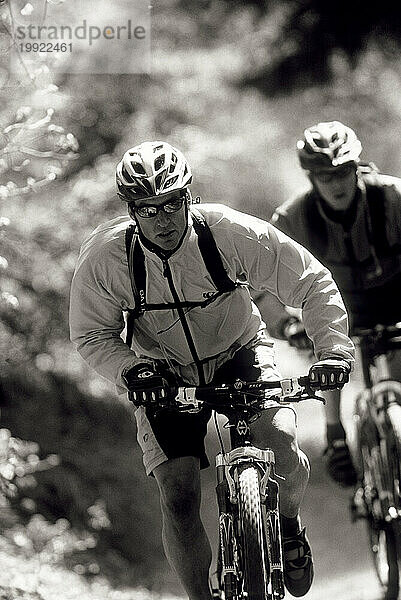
(254, 561)
(394, 449)
(383, 544)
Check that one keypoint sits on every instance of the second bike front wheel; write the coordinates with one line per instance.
(394, 453)
(383, 473)
(254, 563)
(383, 544)
(394, 447)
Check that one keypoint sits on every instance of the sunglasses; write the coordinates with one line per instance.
(172, 205)
(338, 173)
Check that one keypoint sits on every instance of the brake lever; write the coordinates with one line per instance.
(305, 395)
(186, 400)
(294, 390)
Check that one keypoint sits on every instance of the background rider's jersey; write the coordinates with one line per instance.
(363, 251)
(253, 252)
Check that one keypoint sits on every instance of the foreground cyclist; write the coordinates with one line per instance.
(351, 221)
(193, 321)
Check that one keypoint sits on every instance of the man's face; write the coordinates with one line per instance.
(165, 228)
(336, 185)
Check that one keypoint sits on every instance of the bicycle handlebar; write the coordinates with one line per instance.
(253, 394)
(292, 389)
(381, 338)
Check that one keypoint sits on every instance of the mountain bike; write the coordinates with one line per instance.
(250, 560)
(378, 418)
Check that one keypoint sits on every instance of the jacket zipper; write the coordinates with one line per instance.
(167, 273)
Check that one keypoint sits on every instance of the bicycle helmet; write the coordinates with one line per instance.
(328, 145)
(151, 169)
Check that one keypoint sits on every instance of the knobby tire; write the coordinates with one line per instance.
(385, 538)
(252, 544)
(394, 417)
(394, 448)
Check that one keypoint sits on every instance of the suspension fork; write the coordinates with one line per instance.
(227, 573)
(272, 529)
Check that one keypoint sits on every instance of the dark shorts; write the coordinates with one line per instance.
(172, 435)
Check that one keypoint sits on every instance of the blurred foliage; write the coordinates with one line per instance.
(35, 536)
(19, 461)
(97, 482)
(294, 42)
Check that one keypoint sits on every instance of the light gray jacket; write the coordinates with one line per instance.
(253, 251)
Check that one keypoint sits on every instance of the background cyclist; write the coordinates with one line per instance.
(179, 337)
(350, 219)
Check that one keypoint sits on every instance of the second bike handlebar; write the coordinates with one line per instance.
(380, 339)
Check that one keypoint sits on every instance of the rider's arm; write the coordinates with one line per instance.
(96, 319)
(289, 218)
(273, 312)
(274, 262)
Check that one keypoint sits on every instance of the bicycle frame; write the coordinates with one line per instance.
(372, 410)
(378, 496)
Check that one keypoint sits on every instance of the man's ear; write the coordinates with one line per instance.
(131, 211)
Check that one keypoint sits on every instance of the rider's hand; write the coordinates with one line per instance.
(293, 331)
(329, 374)
(144, 384)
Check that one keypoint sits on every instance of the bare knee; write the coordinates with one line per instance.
(287, 452)
(290, 459)
(279, 433)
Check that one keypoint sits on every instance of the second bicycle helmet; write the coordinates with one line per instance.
(326, 145)
(151, 169)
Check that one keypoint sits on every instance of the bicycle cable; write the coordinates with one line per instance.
(217, 427)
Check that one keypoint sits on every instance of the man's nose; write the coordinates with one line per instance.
(163, 218)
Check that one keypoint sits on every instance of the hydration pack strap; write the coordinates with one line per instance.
(137, 272)
(139, 278)
(210, 253)
(136, 259)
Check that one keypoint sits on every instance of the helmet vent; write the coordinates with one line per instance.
(159, 179)
(157, 148)
(147, 186)
(173, 162)
(159, 162)
(170, 182)
(320, 142)
(138, 168)
(126, 175)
